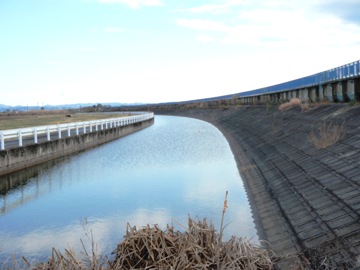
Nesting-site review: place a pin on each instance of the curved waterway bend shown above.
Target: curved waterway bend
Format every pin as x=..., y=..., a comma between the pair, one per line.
x=160, y=175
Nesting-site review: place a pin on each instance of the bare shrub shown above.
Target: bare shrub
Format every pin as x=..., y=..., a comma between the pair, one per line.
x=326, y=134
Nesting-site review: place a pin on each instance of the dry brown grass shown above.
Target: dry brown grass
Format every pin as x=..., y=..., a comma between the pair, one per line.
x=293, y=103
x=326, y=134
x=149, y=247
x=196, y=248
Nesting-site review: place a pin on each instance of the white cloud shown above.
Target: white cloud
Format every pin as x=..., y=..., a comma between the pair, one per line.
x=207, y=25
x=84, y=49
x=205, y=38
x=114, y=29
x=280, y=24
x=133, y=3
x=214, y=9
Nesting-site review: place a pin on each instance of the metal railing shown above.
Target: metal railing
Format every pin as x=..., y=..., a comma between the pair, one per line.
x=68, y=129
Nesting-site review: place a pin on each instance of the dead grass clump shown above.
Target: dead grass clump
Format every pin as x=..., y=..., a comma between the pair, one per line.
x=326, y=134
x=292, y=103
x=196, y=248
x=149, y=247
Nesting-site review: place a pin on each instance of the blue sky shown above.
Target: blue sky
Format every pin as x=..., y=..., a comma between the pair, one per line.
x=97, y=51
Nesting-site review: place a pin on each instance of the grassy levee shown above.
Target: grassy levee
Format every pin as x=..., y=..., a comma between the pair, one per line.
x=43, y=118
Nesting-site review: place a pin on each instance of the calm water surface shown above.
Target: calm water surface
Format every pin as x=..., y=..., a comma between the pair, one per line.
x=160, y=175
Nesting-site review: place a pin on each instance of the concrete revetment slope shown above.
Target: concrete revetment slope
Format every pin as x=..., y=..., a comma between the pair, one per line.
x=23, y=157
x=305, y=200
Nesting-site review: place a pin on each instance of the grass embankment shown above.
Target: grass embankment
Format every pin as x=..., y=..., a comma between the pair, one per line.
x=42, y=118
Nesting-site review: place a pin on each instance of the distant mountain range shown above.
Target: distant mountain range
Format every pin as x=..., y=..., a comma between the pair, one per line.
x=4, y=108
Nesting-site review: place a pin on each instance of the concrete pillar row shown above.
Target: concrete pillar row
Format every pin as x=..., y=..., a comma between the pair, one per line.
x=350, y=86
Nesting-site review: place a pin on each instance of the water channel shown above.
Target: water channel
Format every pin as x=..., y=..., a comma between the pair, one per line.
x=160, y=175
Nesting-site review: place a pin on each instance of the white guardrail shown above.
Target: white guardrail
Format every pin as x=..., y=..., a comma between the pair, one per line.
x=78, y=127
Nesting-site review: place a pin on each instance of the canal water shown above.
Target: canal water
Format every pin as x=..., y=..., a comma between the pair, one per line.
x=160, y=175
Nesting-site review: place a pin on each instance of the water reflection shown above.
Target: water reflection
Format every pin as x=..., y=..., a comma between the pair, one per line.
x=176, y=167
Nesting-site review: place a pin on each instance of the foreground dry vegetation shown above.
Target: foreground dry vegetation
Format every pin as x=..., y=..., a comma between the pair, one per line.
x=198, y=247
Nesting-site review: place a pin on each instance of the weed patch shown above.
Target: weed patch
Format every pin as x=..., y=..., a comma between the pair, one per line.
x=326, y=134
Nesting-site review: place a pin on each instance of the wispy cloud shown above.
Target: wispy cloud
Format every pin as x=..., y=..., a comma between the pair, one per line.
x=214, y=9
x=207, y=25
x=86, y=49
x=133, y=3
x=281, y=23
x=114, y=29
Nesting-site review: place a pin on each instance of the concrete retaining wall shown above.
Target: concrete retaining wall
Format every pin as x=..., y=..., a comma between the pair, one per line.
x=23, y=157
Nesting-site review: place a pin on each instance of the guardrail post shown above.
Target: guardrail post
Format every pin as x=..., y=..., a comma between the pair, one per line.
x=84, y=128
x=77, y=129
x=59, y=132
x=35, y=136
x=102, y=125
x=20, y=138
x=90, y=127
x=2, y=141
x=48, y=133
x=96, y=126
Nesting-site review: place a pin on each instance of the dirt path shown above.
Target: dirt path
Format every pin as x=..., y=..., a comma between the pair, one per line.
x=304, y=200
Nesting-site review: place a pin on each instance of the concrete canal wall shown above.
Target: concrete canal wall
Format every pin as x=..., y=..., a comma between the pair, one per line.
x=23, y=157
x=305, y=199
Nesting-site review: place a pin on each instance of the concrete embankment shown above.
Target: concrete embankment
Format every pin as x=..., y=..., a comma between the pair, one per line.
x=305, y=197
x=23, y=157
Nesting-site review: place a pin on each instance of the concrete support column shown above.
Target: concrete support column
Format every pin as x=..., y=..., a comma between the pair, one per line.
x=350, y=89
x=293, y=94
x=272, y=98
x=328, y=93
x=321, y=92
x=289, y=95
x=339, y=92
x=262, y=99
x=304, y=94
x=313, y=94
x=268, y=98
